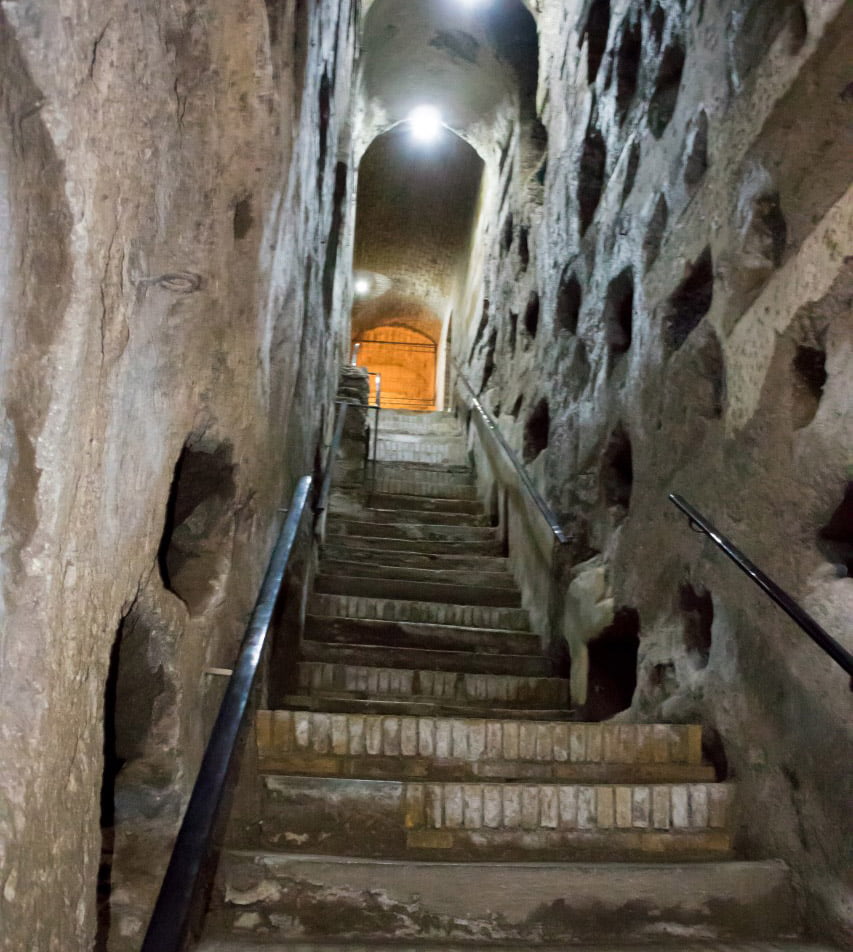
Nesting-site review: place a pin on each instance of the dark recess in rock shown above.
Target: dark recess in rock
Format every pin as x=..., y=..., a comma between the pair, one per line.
x=711, y=366
x=714, y=751
x=569, y=300
x=536, y=431
x=481, y=329
x=809, y=365
x=613, y=666
x=457, y=44
x=628, y=66
x=657, y=22
x=763, y=21
x=334, y=239
x=655, y=231
x=243, y=219
x=697, y=611
x=836, y=537
x=513, y=331
x=619, y=312
x=631, y=167
x=325, y=113
x=524, y=247
x=595, y=34
x=531, y=315
x=593, y=161
x=769, y=228
x=199, y=515
x=617, y=470
x=696, y=163
x=507, y=235
x=690, y=302
x=489, y=362
x=667, y=85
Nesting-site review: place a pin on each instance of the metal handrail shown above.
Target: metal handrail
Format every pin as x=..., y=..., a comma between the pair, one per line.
x=343, y=409
x=180, y=902
x=839, y=654
x=378, y=408
x=492, y=426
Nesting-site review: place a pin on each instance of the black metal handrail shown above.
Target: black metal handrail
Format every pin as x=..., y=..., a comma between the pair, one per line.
x=839, y=654
x=492, y=426
x=181, y=900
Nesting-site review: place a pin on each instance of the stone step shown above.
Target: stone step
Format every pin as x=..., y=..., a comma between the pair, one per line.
x=523, y=665
x=391, y=683
x=424, y=503
x=441, y=473
x=390, y=570
x=415, y=532
x=417, y=449
x=419, y=612
x=425, y=748
x=403, y=634
x=330, y=582
x=344, y=703
x=435, y=421
x=376, y=543
x=415, y=517
x=261, y=943
x=343, y=549
x=304, y=897
x=496, y=821
x=395, y=484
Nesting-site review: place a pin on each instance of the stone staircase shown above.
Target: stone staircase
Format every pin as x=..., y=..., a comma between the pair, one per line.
x=424, y=781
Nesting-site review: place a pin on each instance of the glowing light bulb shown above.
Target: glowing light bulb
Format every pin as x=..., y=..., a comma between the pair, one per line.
x=362, y=287
x=425, y=122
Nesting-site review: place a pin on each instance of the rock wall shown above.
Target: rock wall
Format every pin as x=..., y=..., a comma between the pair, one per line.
x=672, y=313
x=174, y=196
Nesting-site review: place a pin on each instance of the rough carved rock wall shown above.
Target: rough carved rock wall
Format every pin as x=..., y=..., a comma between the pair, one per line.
x=675, y=315
x=174, y=183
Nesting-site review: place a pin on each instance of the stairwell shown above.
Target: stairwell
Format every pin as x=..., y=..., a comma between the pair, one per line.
x=424, y=781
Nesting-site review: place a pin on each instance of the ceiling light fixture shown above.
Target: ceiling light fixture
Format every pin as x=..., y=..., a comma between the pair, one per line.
x=425, y=122
x=362, y=286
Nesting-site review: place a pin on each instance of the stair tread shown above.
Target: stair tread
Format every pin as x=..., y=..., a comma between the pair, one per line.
x=421, y=706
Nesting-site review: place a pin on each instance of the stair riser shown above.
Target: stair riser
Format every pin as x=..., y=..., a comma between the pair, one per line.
x=348, y=550
x=352, y=631
x=416, y=532
x=458, y=490
x=495, y=821
x=471, y=688
x=384, y=588
x=398, y=573
x=422, y=613
x=311, y=897
x=419, y=503
x=342, y=703
x=368, y=544
x=396, y=516
x=467, y=662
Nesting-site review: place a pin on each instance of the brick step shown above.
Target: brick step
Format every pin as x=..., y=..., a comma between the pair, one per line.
x=419, y=612
x=335, y=583
x=262, y=944
x=418, y=450
x=371, y=553
x=447, y=473
x=465, y=547
x=399, y=516
x=403, y=634
x=416, y=532
x=391, y=747
x=431, y=422
x=496, y=821
x=469, y=662
x=399, y=573
x=424, y=503
x=378, y=683
x=344, y=703
x=304, y=897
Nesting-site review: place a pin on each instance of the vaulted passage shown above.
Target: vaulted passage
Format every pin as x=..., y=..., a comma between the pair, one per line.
x=501, y=279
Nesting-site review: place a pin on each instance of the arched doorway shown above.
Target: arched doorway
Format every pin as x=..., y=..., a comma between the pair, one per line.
x=405, y=359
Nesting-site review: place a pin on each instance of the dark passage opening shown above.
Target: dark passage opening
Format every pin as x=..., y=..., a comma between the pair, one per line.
x=536, y=431
x=591, y=175
x=809, y=366
x=697, y=609
x=613, y=666
x=690, y=302
x=595, y=33
x=617, y=471
x=836, y=537
x=667, y=85
x=569, y=299
x=619, y=312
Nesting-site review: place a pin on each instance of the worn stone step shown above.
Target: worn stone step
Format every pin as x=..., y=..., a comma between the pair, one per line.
x=488, y=545
x=343, y=703
x=496, y=820
x=424, y=503
x=435, y=421
x=390, y=571
x=405, y=634
x=459, y=490
x=307, y=897
x=345, y=549
x=335, y=583
x=446, y=473
x=418, y=449
x=416, y=532
x=391, y=747
x=399, y=516
x=488, y=689
x=418, y=612
x=428, y=659
x=263, y=943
